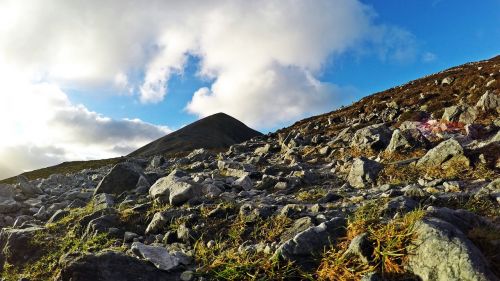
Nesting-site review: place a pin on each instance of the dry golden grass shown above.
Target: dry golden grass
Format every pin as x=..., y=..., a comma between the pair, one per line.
x=391, y=241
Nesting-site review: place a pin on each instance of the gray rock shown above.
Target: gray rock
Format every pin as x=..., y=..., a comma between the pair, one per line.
x=101, y=224
x=244, y=182
x=263, y=149
x=13, y=245
x=157, y=162
x=235, y=169
x=158, y=222
x=187, y=275
x=452, y=113
x=400, y=204
x=103, y=201
x=109, y=266
x=9, y=205
x=363, y=172
x=408, y=138
x=175, y=189
x=360, y=247
x=27, y=188
x=200, y=155
x=468, y=115
x=398, y=141
x=443, y=252
x=312, y=241
x=297, y=227
x=375, y=136
x=122, y=177
x=441, y=153
x=489, y=101
x=156, y=255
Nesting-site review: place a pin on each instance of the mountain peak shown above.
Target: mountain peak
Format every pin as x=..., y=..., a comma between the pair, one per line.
x=217, y=131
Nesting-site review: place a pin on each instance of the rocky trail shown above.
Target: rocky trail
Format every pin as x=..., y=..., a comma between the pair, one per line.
x=402, y=185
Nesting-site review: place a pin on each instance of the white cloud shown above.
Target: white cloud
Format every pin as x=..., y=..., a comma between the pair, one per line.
x=91, y=43
x=263, y=57
x=42, y=127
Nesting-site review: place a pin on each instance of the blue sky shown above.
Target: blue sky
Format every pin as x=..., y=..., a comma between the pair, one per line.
x=90, y=79
x=452, y=32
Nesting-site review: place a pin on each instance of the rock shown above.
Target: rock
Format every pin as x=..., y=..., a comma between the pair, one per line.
x=468, y=115
x=398, y=141
x=9, y=205
x=244, y=182
x=298, y=226
x=101, y=225
x=129, y=237
x=443, y=252
x=447, y=81
x=200, y=155
x=158, y=222
x=109, y=266
x=489, y=101
x=490, y=83
x=156, y=255
x=363, y=172
x=360, y=247
x=442, y=153
x=13, y=245
x=157, y=162
x=330, y=197
x=235, y=169
x=490, y=190
x=400, y=204
x=174, y=189
x=122, y=177
x=461, y=113
x=27, y=188
x=263, y=149
x=312, y=241
x=375, y=137
x=103, y=201
x=452, y=113
x=187, y=275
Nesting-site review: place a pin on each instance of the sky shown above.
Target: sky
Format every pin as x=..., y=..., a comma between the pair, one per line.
x=88, y=79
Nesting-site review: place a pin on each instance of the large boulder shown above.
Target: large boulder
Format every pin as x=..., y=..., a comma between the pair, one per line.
x=27, y=188
x=375, y=137
x=363, y=172
x=122, y=177
x=110, y=266
x=175, y=189
x=462, y=113
x=235, y=169
x=489, y=101
x=156, y=255
x=15, y=246
x=441, y=153
x=312, y=241
x=443, y=252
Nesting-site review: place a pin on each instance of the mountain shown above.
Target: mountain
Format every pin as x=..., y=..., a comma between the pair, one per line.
x=401, y=185
x=218, y=131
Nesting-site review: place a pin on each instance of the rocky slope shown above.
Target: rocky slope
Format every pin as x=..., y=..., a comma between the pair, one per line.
x=402, y=185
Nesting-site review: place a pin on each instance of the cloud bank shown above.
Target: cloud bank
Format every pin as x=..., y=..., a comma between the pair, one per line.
x=41, y=127
x=263, y=59
x=261, y=55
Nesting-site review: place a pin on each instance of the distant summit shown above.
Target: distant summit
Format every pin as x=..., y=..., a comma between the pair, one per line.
x=216, y=131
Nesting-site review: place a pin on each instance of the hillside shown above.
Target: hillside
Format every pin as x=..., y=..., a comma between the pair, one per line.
x=218, y=131
x=401, y=185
